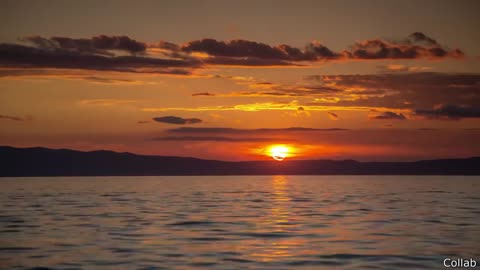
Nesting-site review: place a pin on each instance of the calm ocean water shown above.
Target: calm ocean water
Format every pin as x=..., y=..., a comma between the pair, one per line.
x=238, y=222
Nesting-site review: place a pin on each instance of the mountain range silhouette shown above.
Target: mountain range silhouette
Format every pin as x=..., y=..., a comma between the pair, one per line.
x=63, y=162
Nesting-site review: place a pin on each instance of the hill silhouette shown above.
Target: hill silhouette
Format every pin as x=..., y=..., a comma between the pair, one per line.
x=63, y=162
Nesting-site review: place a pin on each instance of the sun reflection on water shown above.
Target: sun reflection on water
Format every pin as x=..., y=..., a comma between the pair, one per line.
x=279, y=224
x=280, y=212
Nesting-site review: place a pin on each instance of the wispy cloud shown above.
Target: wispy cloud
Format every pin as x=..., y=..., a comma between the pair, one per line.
x=252, y=107
x=216, y=139
x=15, y=118
x=107, y=102
x=102, y=44
x=91, y=76
x=203, y=94
x=226, y=130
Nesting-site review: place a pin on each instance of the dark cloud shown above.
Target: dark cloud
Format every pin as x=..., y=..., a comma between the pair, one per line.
x=143, y=122
x=19, y=56
x=417, y=45
x=98, y=45
x=317, y=51
x=252, y=53
x=332, y=115
x=101, y=53
x=404, y=90
x=167, y=46
x=246, y=52
x=388, y=116
x=247, y=61
x=203, y=94
x=208, y=130
x=177, y=120
x=245, y=48
x=452, y=112
x=214, y=138
x=14, y=118
x=106, y=80
x=421, y=37
x=234, y=48
x=122, y=53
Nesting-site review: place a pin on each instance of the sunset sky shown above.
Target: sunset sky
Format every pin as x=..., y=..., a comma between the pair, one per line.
x=364, y=80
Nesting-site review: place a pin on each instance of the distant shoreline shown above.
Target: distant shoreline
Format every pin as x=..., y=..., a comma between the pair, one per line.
x=38, y=162
x=233, y=175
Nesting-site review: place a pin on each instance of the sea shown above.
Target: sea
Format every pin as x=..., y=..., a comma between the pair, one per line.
x=239, y=222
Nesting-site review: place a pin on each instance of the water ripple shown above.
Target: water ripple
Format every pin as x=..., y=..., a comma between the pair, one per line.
x=254, y=222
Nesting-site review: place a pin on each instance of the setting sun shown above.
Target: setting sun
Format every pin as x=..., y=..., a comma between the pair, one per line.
x=279, y=152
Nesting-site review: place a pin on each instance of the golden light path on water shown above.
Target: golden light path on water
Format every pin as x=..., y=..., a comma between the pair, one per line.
x=280, y=221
